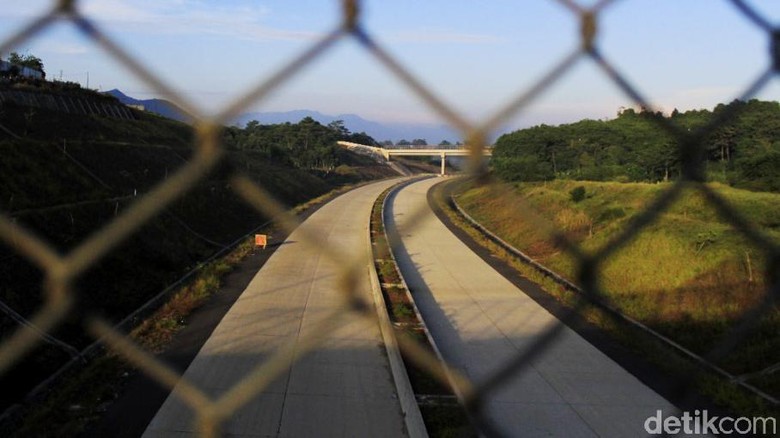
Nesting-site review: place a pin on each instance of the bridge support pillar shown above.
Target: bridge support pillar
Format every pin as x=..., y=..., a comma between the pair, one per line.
x=443, y=163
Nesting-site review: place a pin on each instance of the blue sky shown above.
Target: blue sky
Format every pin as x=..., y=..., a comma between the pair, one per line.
x=476, y=55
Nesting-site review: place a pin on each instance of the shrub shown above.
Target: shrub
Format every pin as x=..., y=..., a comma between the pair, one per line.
x=525, y=168
x=577, y=193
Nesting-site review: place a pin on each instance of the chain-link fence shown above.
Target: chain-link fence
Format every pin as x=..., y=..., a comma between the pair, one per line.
x=60, y=272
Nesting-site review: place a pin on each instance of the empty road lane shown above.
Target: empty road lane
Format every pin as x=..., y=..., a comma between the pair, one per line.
x=480, y=321
x=341, y=388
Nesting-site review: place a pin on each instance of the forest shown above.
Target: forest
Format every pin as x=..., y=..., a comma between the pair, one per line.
x=743, y=151
x=307, y=144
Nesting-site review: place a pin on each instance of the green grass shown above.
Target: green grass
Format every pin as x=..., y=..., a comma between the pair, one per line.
x=689, y=274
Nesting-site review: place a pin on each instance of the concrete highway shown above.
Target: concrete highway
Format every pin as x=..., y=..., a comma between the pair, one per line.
x=480, y=320
x=342, y=388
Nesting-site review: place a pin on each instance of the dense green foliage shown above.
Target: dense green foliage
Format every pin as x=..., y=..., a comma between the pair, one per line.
x=743, y=152
x=305, y=145
x=27, y=60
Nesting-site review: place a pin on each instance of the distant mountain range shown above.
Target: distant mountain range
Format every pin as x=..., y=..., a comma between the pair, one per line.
x=157, y=106
x=379, y=131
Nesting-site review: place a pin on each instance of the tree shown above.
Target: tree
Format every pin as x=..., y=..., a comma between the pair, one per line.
x=523, y=168
x=30, y=61
x=306, y=144
x=361, y=138
x=759, y=172
x=339, y=128
x=419, y=142
x=403, y=142
x=445, y=143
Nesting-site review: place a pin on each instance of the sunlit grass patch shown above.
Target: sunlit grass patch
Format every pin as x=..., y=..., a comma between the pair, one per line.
x=689, y=274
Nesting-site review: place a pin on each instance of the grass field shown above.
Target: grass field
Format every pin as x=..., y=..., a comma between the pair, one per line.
x=689, y=275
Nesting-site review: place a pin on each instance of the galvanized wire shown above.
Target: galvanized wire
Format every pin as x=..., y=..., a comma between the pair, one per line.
x=61, y=270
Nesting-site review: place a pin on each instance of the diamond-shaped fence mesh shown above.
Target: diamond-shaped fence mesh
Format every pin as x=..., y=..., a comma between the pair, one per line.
x=61, y=271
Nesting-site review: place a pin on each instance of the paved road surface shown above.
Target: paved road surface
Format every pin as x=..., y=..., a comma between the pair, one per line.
x=343, y=388
x=480, y=320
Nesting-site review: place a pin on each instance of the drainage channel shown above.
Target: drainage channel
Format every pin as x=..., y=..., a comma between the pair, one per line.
x=441, y=410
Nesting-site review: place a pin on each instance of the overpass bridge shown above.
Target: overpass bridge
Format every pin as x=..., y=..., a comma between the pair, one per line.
x=443, y=153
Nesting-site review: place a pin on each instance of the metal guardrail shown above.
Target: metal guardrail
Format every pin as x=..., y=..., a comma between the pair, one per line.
x=610, y=308
x=61, y=271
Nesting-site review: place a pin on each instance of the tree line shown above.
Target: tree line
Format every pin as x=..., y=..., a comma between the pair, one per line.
x=307, y=144
x=743, y=152
x=416, y=142
x=27, y=60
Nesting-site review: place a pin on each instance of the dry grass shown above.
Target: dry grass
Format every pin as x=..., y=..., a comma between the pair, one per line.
x=690, y=275
x=157, y=331
x=440, y=420
x=86, y=392
x=688, y=254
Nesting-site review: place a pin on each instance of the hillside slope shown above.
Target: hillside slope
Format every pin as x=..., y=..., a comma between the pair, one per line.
x=690, y=275
x=65, y=176
x=160, y=107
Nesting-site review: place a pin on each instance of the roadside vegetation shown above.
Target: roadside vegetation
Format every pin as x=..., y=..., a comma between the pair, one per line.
x=689, y=275
x=307, y=144
x=85, y=392
x=64, y=176
x=743, y=152
x=441, y=412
